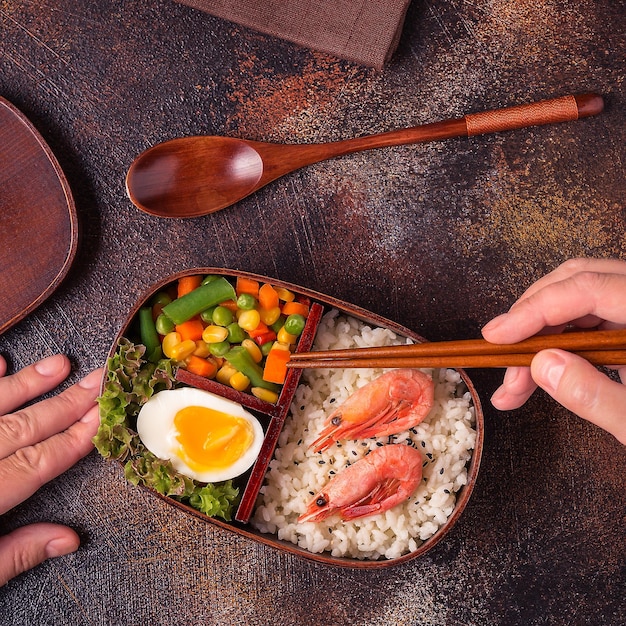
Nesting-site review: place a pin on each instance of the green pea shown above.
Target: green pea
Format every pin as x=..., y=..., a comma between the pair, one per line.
x=266, y=347
x=164, y=324
x=236, y=334
x=294, y=324
x=222, y=316
x=161, y=298
x=219, y=348
x=209, y=279
x=246, y=301
x=207, y=315
x=278, y=324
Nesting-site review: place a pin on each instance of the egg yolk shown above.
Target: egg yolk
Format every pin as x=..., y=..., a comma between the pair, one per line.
x=211, y=439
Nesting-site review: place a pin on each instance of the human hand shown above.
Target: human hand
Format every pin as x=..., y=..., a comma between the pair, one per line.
x=37, y=443
x=586, y=293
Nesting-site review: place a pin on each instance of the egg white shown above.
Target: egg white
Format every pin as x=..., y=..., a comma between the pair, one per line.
x=155, y=426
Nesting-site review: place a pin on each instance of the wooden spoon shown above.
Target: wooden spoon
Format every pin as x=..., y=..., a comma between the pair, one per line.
x=193, y=176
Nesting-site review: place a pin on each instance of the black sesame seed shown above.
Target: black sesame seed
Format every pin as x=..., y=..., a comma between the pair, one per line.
x=446, y=491
x=423, y=444
x=429, y=455
x=425, y=463
x=322, y=462
x=332, y=472
x=441, y=471
x=354, y=452
x=312, y=493
x=380, y=443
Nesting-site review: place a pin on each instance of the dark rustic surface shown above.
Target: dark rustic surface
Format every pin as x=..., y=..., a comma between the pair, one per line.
x=439, y=237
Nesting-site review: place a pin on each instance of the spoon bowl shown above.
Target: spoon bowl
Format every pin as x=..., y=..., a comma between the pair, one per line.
x=194, y=176
x=208, y=171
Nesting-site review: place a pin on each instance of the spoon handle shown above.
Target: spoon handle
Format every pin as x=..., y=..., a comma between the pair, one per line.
x=563, y=109
x=552, y=111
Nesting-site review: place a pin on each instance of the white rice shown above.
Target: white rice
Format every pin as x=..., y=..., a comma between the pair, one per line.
x=446, y=439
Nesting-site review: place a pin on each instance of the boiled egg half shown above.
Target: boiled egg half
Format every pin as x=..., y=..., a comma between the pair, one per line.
x=205, y=436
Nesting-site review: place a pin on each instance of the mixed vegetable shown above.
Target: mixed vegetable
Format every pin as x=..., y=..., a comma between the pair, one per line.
x=239, y=332
x=241, y=335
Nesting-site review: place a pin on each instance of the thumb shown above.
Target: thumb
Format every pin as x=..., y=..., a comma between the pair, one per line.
x=30, y=545
x=583, y=389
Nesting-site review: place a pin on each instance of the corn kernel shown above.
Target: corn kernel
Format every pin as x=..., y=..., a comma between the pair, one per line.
x=183, y=349
x=214, y=334
x=281, y=345
x=285, y=295
x=239, y=381
x=224, y=373
x=269, y=316
x=169, y=341
x=202, y=349
x=284, y=337
x=249, y=320
x=253, y=349
x=265, y=394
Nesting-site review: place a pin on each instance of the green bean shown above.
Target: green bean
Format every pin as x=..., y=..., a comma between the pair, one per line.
x=266, y=347
x=243, y=362
x=201, y=298
x=148, y=334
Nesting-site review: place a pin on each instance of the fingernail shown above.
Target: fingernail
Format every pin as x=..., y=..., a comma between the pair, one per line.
x=50, y=366
x=91, y=381
x=60, y=546
x=494, y=323
x=498, y=395
x=550, y=371
x=91, y=416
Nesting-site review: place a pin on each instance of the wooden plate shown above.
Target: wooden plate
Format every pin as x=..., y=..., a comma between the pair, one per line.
x=38, y=225
x=252, y=481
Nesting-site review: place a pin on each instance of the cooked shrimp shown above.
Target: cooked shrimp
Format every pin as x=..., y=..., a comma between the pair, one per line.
x=374, y=484
x=391, y=403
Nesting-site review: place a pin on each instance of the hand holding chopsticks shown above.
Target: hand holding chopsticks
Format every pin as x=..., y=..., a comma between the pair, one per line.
x=601, y=347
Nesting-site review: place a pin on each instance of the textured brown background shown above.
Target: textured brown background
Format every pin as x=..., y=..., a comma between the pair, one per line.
x=439, y=237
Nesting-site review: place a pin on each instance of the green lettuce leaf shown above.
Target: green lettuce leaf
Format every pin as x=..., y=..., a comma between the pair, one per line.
x=131, y=381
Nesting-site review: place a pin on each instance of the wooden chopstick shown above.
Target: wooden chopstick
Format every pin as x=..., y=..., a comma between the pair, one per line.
x=601, y=347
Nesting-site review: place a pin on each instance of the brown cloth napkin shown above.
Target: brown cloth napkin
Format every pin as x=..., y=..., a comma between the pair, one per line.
x=365, y=31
